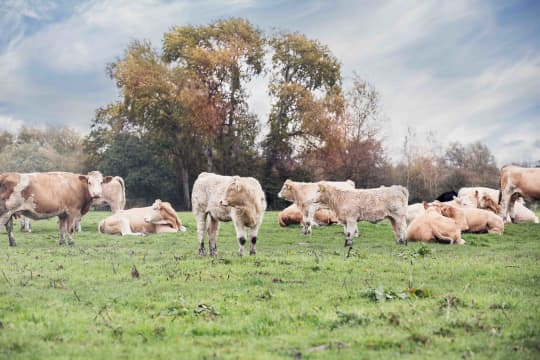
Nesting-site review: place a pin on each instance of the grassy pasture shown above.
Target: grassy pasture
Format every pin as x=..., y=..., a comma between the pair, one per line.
x=299, y=297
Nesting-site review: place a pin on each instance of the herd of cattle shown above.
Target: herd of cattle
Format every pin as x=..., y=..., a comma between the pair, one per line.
x=217, y=198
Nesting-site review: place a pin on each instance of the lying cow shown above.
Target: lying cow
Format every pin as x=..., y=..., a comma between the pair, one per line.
x=471, y=196
x=302, y=194
x=517, y=181
x=156, y=219
x=522, y=213
x=373, y=205
x=433, y=226
x=45, y=195
x=414, y=210
x=292, y=216
x=472, y=219
x=218, y=198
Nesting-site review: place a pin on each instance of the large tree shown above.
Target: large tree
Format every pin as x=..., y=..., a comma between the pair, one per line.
x=305, y=125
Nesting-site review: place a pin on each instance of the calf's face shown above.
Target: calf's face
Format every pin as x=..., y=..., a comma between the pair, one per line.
x=233, y=195
x=287, y=191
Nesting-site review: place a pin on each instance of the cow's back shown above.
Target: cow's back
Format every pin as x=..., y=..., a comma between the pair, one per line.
x=55, y=193
x=208, y=190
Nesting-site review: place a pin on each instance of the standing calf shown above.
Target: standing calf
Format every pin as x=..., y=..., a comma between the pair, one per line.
x=218, y=198
x=371, y=205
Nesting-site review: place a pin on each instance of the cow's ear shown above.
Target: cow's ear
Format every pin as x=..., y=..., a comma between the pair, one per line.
x=287, y=186
x=83, y=178
x=107, y=179
x=425, y=204
x=321, y=188
x=476, y=194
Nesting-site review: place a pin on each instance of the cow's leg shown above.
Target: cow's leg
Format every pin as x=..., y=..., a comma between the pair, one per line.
x=213, y=229
x=511, y=207
x=26, y=224
x=308, y=219
x=62, y=225
x=9, y=230
x=201, y=229
x=240, y=235
x=350, y=227
x=78, y=227
x=253, y=236
x=125, y=228
x=70, y=221
x=505, y=203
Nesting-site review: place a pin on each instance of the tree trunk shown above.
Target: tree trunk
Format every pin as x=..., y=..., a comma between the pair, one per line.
x=209, y=159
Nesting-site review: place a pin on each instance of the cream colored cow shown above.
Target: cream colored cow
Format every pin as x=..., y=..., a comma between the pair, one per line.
x=218, y=198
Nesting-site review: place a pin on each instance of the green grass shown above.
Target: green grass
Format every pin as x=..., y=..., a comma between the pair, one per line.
x=299, y=297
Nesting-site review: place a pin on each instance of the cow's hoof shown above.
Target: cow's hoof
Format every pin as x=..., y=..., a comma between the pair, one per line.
x=202, y=252
x=12, y=243
x=348, y=242
x=252, y=252
x=213, y=252
x=241, y=252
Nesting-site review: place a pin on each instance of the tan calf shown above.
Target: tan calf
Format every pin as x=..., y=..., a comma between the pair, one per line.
x=433, y=226
x=373, y=205
x=471, y=219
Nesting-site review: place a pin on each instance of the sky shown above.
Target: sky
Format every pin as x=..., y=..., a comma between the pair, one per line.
x=456, y=70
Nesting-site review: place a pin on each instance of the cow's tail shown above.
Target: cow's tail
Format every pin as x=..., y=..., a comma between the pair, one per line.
x=123, y=203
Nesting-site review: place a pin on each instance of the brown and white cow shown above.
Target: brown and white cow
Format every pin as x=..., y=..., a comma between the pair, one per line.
x=113, y=194
x=302, y=194
x=433, y=226
x=292, y=216
x=517, y=181
x=373, y=205
x=156, y=219
x=218, y=198
x=45, y=195
x=472, y=219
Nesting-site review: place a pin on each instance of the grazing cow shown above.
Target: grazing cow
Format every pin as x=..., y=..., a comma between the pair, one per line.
x=218, y=198
x=156, y=219
x=113, y=194
x=447, y=196
x=302, y=194
x=414, y=210
x=373, y=205
x=472, y=219
x=292, y=215
x=517, y=181
x=433, y=226
x=44, y=195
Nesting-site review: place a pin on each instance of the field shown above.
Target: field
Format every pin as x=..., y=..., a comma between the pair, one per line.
x=300, y=297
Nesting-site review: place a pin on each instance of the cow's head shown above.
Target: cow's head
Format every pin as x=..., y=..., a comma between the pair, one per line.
x=486, y=202
x=162, y=213
x=454, y=213
x=234, y=194
x=287, y=191
x=321, y=195
x=94, y=179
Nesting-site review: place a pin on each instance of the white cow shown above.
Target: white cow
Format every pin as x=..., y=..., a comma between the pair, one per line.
x=218, y=198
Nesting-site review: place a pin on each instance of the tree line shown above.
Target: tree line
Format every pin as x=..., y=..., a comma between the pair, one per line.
x=183, y=109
